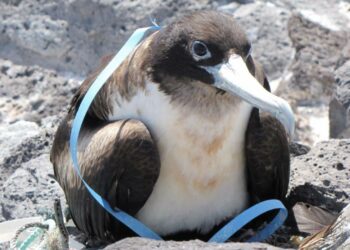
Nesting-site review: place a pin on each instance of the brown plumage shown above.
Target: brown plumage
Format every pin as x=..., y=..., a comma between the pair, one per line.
x=120, y=162
x=268, y=169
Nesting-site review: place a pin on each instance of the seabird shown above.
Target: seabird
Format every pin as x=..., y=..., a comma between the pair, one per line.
x=184, y=135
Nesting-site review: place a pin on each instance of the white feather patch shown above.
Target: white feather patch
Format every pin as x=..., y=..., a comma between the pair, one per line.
x=202, y=176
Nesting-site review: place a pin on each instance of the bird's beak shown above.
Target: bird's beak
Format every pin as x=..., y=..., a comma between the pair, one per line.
x=235, y=78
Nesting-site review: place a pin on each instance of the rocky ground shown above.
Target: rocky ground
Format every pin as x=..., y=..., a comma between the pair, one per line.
x=48, y=47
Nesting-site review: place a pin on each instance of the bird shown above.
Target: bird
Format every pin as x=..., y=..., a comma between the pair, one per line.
x=183, y=136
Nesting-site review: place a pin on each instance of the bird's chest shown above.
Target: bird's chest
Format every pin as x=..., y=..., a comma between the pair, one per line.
x=197, y=156
x=202, y=178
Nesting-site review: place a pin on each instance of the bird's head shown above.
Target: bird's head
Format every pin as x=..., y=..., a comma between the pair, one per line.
x=204, y=57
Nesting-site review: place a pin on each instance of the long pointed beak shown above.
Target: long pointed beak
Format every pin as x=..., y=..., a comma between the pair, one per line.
x=235, y=78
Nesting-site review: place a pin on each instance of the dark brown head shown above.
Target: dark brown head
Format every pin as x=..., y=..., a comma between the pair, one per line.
x=205, y=38
x=206, y=51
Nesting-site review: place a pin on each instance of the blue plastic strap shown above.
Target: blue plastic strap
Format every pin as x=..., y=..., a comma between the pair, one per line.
x=248, y=215
x=128, y=47
x=139, y=228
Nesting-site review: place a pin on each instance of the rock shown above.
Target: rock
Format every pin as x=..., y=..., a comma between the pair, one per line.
x=145, y=244
x=345, y=53
x=20, y=142
x=332, y=14
x=318, y=49
x=30, y=190
x=266, y=27
x=339, y=107
x=336, y=236
x=312, y=123
x=321, y=177
x=32, y=93
x=297, y=149
x=71, y=36
x=308, y=83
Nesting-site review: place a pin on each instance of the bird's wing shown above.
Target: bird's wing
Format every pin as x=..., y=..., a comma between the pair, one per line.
x=267, y=153
x=118, y=159
x=123, y=84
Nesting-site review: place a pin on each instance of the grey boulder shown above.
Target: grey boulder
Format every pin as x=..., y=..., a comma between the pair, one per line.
x=339, y=107
x=321, y=177
x=30, y=190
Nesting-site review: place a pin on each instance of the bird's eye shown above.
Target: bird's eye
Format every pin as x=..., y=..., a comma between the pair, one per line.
x=200, y=51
